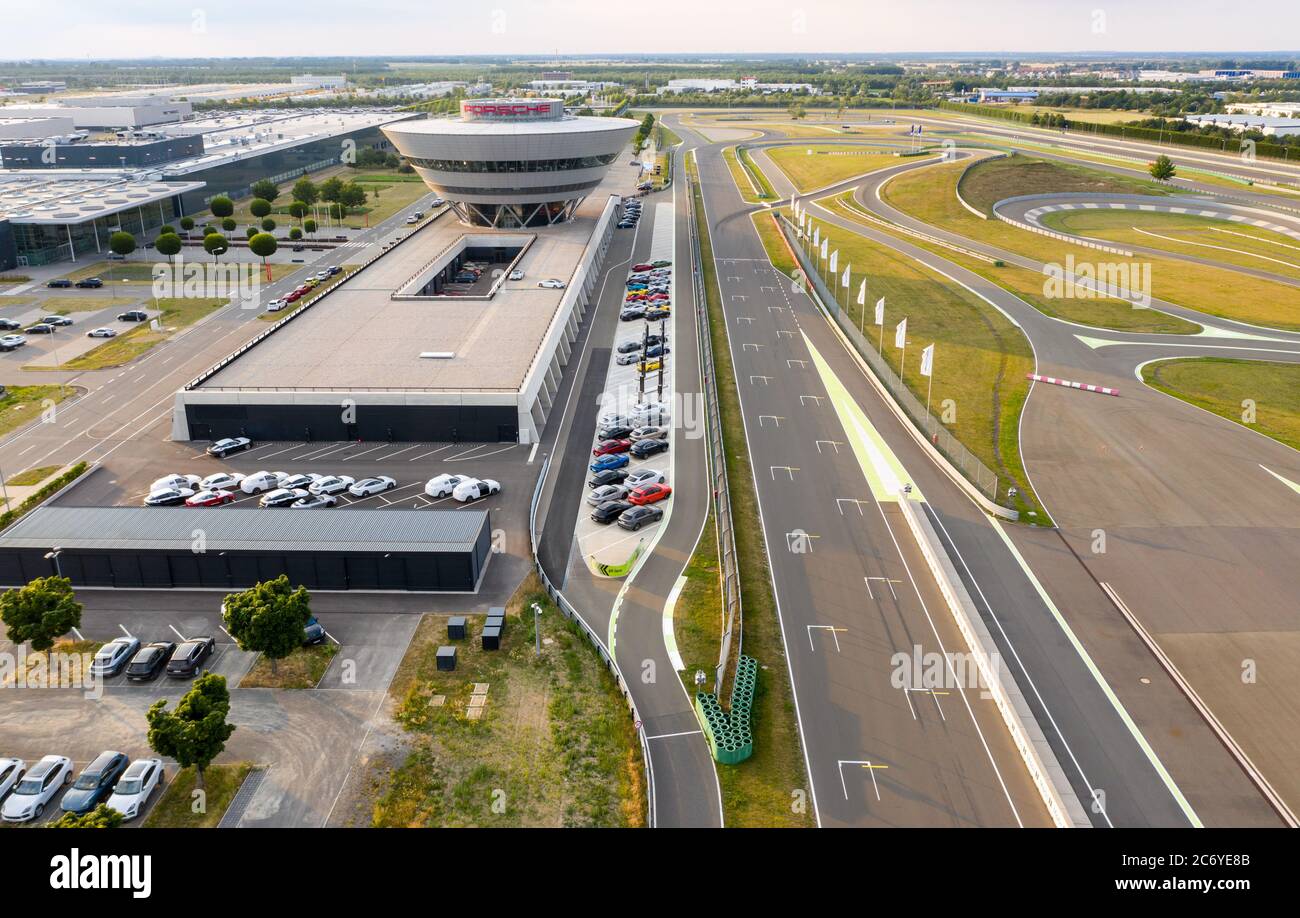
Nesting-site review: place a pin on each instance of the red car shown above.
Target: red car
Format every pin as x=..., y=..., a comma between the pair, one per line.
x=609, y=447
x=210, y=499
x=292, y=296
x=637, y=269
x=649, y=494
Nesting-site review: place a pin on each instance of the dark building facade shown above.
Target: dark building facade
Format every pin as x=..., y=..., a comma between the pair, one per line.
x=135, y=154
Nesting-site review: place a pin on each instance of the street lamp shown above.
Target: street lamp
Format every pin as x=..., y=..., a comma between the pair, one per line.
x=537, y=627
x=53, y=555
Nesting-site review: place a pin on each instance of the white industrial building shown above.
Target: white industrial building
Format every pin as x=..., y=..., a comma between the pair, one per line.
x=1273, y=127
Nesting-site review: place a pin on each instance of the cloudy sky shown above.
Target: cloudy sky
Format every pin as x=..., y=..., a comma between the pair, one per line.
x=237, y=28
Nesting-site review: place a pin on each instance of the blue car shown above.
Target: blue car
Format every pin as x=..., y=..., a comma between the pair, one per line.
x=637, y=286
x=612, y=461
x=94, y=784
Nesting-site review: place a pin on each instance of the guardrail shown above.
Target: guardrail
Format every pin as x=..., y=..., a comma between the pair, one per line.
x=960, y=459
x=567, y=609
x=917, y=234
x=728, y=569
x=1062, y=237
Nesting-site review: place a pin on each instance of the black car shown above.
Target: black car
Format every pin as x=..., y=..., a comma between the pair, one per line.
x=168, y=497
x=59, y=282
x=41, y=328
x=636, y=517
x=223, y=448
x=149, y=661
x=628, y=347
x=133, y=315
x=10, y=324
x=631, y=314
x=644, y=448
x=95, y=783
x=614, y=433
x=187, y=659
x=654, y=315
x=610, y=510
x=626, y=224
x=90, y=283
x=607, y=476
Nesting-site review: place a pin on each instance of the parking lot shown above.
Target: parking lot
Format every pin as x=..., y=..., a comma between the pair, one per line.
x=68, y=341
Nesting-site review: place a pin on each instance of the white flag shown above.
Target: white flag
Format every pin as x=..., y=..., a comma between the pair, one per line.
x=801, y=216
x=844, y=281
x=824, y=241
x=795, y=204
x=900, y=333
x=927, y=361
x=835, y=260
x=880, y=311
x=862, y=293
x=817, y=235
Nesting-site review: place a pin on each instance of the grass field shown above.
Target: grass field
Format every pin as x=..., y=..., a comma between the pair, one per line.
x=756, y=792
x=744, y=162
x=302, y=669
x=930, y=195
x=32, y=476
x=1091, y=115
x=1119, y=315
x=554, y=745
x=745, y=184
x=697, y=617
x=142, y=272
x=62, y=305
x=1188, y=234
x=1221, y=386
x=176, y=314
x=21, y=404
x=986, y=183
x=828, y=163
x=175, y=808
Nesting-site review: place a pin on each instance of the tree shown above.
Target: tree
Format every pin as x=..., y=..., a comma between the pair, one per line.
x=309, y=226
x=228, y=224
x=796, y=111
x=1163, y=169
x=268, y=618
x=331, y=188
x=221, y=206
x=259, y=207
x=194, y=733
x=215, y=245
x=168, y=244
x=338, y=211
x=268, y=224
x=262, y=245
x=209, y=229
x=250, y=232
x=297, y=210
x=101, y=817
x=352, y=196
x=40, y=612
x=265, y=189
x=305, y=191
x=165, y=229
x=295, y=233
x=121, y=243
x=187, y=223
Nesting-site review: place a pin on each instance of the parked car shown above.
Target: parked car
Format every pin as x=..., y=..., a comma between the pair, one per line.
x=149, y=661
x=189, y=656
x=631, y=313
x=101, y=333
x=643, y=449
x=176, y=481
x=657, y=313
x=643, y=266
x=605, y=493
x=313, y=632
x=168, y=497
x=40, y=328
x=282, y=497
x=223, y=448
x=609, y=447
x=624, y=360
x=9, y=324
x=221, y=481
x=657, y=350
x=606, y=477
x=613, y=461
x=298, y=482
x=37, y=788
x=331, y=484
x=90, y=283
x=625, y=224
x=631, y=346
x=443, y=485
x=210, y=499
x=95, y=783
x=11, y=772
x=137, y=784
x=646, y=477
x=609, y=510
x=650, y=494
x=650, y=431
x=59, y=283
x=314, y=502
x=57, y=321
x=368, y=486
x=614, y=432
x=474, y=489
x=277, y=304
x=133, y=315
x=9, y=342
x=112, y=658
x=515, y=275
x=258, y=482
x=552, y=283
x=635, y=517
x=649, y=366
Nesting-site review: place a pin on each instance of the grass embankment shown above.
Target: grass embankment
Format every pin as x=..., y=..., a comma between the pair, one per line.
x=176, y=314
x=141, y=272
x=698, y=615
x=1232, y=244
x=554, y=745
x=750, y=180
x=62, y=305
x=980, y=363
x=1030, y=286
x=32, y=476
x=828, y=164
x=302, y=669
x=930, y=195
x=175, y=808
x=21, y=404
x=1222, y=386
x=758, y=791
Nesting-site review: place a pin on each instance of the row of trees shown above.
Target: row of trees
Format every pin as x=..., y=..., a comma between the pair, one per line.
x=267, y=618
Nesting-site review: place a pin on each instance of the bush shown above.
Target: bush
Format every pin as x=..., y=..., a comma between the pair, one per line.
x=268, y=224
x=9, y=517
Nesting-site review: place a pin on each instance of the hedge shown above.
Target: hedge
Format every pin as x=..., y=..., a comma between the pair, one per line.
x=9, y=517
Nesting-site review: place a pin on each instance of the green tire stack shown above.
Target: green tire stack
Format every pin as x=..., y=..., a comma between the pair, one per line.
x=730, y=738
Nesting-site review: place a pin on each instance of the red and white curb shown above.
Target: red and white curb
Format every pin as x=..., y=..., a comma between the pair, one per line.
x=1104, y=390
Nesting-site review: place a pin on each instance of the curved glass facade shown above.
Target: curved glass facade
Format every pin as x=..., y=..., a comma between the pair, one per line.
x=509, y=192
x=515, y=165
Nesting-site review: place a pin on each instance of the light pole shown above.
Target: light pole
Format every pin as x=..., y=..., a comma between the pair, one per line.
x=53, y=555
x=537, y=627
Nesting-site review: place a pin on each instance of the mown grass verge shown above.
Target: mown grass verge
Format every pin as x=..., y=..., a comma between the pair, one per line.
x=175, y=809
x=1233, y=389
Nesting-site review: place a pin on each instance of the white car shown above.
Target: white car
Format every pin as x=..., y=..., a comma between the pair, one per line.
x=258, y=482
x=606, y=492
x=176, y=481
x=36, y=789
x=303, y=481
x=11, y=770
x=612, y=419
x=516, y=275
x=443, y=485
x=475, y=488
x=221, y=481
x=625, y=359
x=113, y=656
x=650, y=432
x=552, y=283
x=282, y=497
x=645, y=477
x=9, y=342
x=135, y=787
x=367, y=486
x=276, y=305
x=331, y=484
x=101, y=333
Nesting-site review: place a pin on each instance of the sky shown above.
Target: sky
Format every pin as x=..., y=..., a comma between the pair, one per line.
x=254, y=28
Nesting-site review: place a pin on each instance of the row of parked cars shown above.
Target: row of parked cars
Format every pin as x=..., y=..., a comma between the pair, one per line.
x=649, y=292
x=50, y=324
x=304, y=490
x=111, y=778
x=631, y=214
x=303, y=289
x=620, y=494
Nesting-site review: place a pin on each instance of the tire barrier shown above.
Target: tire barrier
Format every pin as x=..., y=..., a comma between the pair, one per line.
x=730, y=734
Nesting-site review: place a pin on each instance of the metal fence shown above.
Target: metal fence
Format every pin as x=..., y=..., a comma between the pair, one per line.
x=962, y=458
x=728, y=568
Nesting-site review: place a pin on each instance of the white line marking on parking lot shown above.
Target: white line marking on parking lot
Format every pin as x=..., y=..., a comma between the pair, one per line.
x=124, y=631
x=359, y=455
x=431, y=452
x=532, y=453
x=177, y=633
